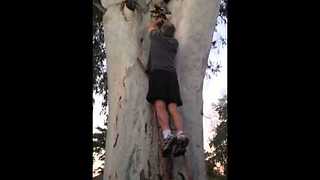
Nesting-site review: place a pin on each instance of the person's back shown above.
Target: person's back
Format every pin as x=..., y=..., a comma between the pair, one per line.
x=163, y=51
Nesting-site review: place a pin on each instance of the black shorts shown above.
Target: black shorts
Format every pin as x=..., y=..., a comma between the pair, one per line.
x=163, y=85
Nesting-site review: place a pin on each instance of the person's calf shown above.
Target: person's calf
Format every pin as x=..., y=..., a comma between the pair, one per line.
x=176, y=116
x=161, y=114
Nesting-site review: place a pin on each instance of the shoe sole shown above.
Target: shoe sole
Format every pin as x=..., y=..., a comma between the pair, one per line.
x=168, y=150
x=180, y=149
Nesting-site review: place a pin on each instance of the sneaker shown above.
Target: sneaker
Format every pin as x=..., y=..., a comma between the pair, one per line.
x=182, y=143
x=168, y=144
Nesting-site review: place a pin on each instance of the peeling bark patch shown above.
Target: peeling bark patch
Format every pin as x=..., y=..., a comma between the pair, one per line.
x=142, y=177
x=182, y=176
x=115, y=142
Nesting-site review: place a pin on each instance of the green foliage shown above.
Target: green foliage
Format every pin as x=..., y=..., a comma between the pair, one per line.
x=99, y=141
x=210, y=164
x=99, y=144
x=99, y=77
x=99, y=52
x=219, y=142
x=223, y=11
x=214, y=67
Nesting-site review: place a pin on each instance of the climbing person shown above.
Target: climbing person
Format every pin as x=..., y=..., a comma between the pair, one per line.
x=163, y=92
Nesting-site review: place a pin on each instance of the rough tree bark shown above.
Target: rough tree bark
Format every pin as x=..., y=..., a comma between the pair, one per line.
x=133, y=138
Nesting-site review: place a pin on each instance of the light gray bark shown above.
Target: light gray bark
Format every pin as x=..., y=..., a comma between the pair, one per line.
x=132, y=140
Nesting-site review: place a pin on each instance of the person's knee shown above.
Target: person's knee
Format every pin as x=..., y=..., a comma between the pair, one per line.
x=160, y=106
x=172, y=108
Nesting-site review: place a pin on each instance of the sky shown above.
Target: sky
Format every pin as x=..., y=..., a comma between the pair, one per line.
x=213, y=89
x=216, y=87
x=98, y=118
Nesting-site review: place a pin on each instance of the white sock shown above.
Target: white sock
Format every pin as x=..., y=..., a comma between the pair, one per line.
x=166, y=133
x=179, y=133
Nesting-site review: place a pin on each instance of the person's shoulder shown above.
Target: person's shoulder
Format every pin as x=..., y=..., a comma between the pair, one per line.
x=154, y=33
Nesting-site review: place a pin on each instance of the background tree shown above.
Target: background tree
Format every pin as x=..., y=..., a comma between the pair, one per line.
x=219, y=155
x=99, y=80
x=99, y=144
x=219, y=42
x=219, y=142
x=217, y=160
x=100, y=84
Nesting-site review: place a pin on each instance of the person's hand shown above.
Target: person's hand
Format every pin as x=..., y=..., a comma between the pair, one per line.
x=154, y=24
x=158, y=20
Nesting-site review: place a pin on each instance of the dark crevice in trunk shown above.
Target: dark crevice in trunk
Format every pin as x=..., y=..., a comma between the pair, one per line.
x=115, y=142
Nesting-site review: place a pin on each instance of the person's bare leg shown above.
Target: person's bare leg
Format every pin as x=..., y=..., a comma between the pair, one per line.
x=182, y=139
x=176, y=116
x=161, y=113
x=168, y=139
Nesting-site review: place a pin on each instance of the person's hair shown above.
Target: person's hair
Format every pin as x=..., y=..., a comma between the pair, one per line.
x=168, y=29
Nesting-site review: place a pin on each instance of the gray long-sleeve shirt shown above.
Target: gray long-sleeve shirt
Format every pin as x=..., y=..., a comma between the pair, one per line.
x=163, y=51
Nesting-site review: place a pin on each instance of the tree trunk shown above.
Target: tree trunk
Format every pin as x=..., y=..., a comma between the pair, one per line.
x=133, y=151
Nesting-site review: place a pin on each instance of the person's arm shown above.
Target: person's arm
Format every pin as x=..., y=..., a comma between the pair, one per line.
x=145, y=70
x=153, y=25
x=148, y=70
